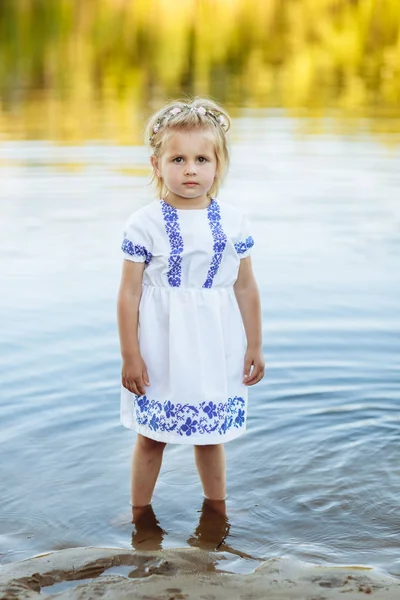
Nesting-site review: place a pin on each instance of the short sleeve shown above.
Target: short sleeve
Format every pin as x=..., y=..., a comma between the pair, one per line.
x=245, y=240
x=136, y=245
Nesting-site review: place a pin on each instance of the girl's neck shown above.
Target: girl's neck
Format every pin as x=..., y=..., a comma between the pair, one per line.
x=187, y=204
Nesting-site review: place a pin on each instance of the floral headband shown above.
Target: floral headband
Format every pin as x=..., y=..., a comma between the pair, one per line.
x=200, y=110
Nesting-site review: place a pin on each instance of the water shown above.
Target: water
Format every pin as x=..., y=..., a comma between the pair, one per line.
x=317, y=476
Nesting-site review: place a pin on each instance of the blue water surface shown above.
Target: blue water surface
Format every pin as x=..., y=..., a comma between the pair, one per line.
x=317, y=475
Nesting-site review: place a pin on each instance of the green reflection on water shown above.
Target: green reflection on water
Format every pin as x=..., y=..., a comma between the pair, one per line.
x=73, y=70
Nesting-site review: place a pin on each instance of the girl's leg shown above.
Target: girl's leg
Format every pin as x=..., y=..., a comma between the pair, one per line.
x=146, y=464
x=210, y=462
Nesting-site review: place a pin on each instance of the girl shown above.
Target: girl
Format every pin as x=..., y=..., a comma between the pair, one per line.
x=188, y=307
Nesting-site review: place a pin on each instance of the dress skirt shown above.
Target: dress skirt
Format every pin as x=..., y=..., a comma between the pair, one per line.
x=193, y=346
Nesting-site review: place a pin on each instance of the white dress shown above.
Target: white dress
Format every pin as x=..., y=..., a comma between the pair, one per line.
x=191, y=334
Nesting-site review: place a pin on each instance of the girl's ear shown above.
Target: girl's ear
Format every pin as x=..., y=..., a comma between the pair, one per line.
x=154, y=164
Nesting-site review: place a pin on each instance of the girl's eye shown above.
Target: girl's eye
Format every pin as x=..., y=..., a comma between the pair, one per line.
x=179, y=160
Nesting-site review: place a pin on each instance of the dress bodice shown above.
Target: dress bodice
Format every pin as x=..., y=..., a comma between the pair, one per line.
x=185, y=248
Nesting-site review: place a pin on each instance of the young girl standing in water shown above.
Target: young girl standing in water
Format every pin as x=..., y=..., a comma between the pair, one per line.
x=188, y=307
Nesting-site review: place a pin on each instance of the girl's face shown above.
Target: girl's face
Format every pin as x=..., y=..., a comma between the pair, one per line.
x=188, y=166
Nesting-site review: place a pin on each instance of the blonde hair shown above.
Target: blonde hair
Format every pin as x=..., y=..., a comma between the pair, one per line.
x=200, y=114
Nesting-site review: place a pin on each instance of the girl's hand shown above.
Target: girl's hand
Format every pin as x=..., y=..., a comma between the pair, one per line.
x=134, y=375
x=253, y=358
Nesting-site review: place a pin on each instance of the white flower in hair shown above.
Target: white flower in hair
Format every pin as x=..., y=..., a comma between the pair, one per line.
x=156, y=128
x=221, y=120
x=201, y=110
x=175, y=111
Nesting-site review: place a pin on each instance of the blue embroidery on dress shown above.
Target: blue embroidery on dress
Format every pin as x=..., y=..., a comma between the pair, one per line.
x=172, y=228
x=185, y=419
x=242, y=247
x=136, y=250
x=219, y=237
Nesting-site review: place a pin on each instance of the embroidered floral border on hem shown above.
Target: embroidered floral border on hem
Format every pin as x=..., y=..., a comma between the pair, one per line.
x=192, y=440
x=184, y=420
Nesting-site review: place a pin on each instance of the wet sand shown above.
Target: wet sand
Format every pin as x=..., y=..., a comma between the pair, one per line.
x=86, y=573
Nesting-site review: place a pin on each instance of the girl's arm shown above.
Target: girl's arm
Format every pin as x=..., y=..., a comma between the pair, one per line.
x=248, y=299
x=134, y=373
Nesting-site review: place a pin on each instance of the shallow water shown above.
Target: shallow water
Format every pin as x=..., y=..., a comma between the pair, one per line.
x=317, y=475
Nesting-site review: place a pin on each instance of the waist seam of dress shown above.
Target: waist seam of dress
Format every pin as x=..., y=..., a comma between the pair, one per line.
x=182, y=288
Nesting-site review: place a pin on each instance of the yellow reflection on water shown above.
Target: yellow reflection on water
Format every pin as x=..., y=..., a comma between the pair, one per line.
x=74, y=71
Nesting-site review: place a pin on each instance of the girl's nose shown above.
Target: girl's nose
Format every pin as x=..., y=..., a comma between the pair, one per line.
x=190, y=169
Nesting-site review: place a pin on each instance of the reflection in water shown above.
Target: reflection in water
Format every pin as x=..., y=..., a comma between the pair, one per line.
x=210, y=533
x=213, y=527
x=148, y=534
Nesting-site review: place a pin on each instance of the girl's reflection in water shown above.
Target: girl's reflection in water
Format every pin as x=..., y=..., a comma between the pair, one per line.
x=213, y=527
x=148, y=534
x=210, y=534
